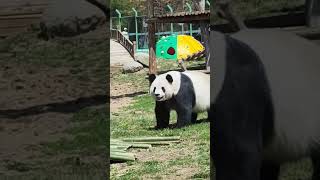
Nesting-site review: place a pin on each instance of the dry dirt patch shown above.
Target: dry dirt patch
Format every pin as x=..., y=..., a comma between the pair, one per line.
x=121, y=94
x=118, y=98
x=36, y=105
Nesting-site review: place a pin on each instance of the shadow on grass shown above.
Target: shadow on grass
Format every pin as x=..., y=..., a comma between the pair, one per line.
x=129, y=95
x=174, y=125
x=61, y=107
x=192, y=68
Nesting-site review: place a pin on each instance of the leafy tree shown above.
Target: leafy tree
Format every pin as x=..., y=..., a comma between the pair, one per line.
x=124, y=6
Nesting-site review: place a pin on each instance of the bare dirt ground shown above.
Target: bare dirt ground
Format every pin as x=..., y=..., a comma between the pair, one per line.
x=119, y=91
x=118, y=99
x=36, y=104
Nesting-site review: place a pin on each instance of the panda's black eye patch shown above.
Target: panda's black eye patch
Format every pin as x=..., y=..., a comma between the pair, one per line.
x=154, y=89
x=163, y=89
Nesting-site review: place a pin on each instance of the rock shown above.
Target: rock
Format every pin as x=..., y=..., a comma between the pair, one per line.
x=142, y=57
x=60, y=20
x=132, y=67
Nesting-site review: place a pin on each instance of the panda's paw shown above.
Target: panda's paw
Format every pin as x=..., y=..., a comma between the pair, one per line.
x=159, y=127
x=181, y=125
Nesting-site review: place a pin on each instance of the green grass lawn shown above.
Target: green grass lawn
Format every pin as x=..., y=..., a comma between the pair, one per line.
x=187, y=159
x=138, y=120
x=80, y=155
x=88, y=131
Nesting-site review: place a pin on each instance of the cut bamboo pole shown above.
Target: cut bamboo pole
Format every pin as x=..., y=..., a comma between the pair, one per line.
x=118, y=147
x=159, y=142
x=145, y=146
x=119, y=156
x=152, y=139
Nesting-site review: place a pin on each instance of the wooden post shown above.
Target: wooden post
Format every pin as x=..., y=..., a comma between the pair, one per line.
x=134, y=49
x=151, y=36
x=312, y=13
x=118, y=38
x=205, y=35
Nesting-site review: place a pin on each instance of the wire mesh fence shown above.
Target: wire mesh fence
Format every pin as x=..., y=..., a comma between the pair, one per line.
x=137, y=29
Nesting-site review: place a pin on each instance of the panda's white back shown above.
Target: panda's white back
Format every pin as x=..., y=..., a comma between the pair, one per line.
x=201, y=85
x=294, y=81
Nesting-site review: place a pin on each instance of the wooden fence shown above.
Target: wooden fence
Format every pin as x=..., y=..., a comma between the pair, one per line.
x=124, y=41
x=18, y=15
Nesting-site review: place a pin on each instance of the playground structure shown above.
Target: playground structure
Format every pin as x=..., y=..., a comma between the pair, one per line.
x=177, y=47
x=155, y=16
x=138, y=40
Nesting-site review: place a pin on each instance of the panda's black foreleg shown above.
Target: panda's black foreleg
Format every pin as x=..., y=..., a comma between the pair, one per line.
x=269, y=171
x=194, y=117
x=316, y=166
x=162, y=115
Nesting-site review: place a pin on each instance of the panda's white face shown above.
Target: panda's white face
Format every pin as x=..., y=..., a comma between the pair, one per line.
x=163, y=87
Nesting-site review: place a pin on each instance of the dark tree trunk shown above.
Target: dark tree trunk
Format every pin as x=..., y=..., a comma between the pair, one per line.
x=151, y=36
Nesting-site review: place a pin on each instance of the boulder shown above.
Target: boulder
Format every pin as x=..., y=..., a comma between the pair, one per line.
x=142, y=57
x=70, y=18
x=132, y=67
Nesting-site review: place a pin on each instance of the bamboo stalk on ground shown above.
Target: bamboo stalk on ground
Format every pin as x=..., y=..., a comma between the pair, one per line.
x=122, y=156
x=148, y=139
x=118, y=147
x=159, y=142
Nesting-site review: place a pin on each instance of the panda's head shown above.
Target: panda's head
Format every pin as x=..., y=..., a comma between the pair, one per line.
x=163, y=87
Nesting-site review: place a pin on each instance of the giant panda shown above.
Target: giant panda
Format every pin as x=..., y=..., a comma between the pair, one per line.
x=185, y=92
x=265, y=103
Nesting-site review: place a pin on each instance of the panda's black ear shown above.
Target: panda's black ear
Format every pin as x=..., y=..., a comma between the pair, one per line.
x=169, y=78
x=152, y=77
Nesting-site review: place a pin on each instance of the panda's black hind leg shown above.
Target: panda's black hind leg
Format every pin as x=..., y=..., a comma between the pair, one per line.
x=316, y=166
x=194, y=117
x=184, y=107
x=185, y=114
x=269, y=171
x=184, y=118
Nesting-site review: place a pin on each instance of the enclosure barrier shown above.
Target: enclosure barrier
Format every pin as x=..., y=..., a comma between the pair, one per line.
x=124, y=41
x=113, y=34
